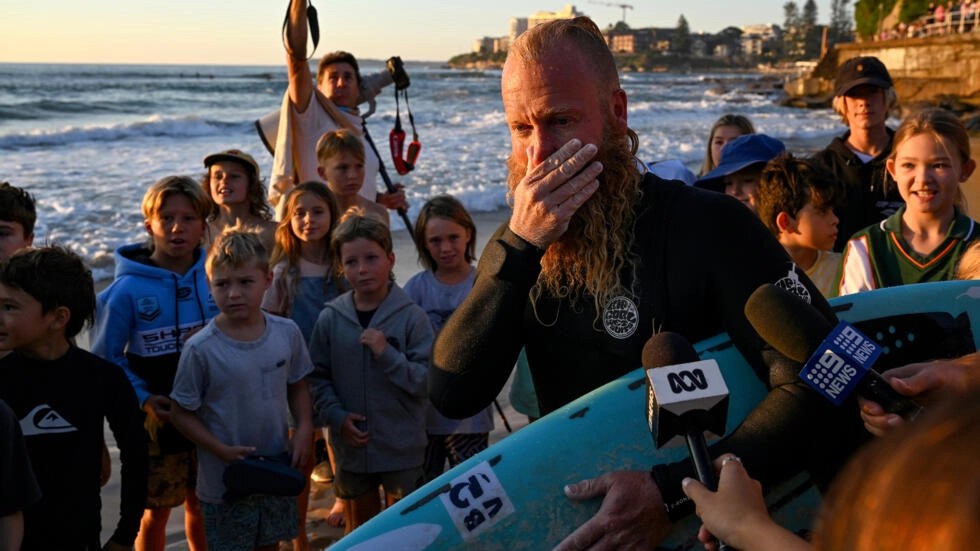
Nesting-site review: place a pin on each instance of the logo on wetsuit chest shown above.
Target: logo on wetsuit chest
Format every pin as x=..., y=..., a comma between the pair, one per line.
x=793, y=284
x=620, y=318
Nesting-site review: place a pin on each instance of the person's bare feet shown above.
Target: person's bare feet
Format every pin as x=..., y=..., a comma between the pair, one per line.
x=336, y=517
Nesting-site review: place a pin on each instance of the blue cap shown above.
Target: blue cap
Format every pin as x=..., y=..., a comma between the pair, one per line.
x=740, y=153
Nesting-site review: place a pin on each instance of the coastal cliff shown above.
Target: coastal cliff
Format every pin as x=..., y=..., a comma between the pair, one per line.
x=925, y=70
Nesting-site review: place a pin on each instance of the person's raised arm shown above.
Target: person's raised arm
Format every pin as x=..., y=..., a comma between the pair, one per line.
x=297, y=64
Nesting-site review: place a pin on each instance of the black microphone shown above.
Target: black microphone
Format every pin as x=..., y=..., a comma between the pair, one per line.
x=837, y=360
x=686, y=396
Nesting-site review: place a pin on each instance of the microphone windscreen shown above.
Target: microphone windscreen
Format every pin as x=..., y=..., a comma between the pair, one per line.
x=667, y=348
x=790, y=325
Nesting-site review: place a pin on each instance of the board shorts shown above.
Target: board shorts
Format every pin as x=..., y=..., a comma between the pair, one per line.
x=454, y=447
x=254, y=521
x=397, y=484
x=169, y=477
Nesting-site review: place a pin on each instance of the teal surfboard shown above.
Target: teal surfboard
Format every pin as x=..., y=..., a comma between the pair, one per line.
x=510, y=495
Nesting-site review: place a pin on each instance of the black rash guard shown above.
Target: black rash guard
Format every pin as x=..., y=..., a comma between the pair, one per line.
x=698, y=257
x=62, y=406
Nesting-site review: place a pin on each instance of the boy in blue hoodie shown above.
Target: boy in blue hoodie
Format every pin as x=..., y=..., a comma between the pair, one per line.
x=160, y=298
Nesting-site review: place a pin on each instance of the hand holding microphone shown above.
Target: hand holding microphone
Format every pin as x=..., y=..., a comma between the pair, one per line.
x=685, y=397
x=837, y=360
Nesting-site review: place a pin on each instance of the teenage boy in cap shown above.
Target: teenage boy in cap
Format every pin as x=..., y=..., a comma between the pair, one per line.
x=863, y=96
x=237, y=197
x=740, y=170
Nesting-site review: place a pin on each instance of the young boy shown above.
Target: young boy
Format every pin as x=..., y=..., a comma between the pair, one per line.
x=741, y=165
x=863, y=96
x=340, y=155
x=17, y=218
x=796, y=201
x=62, y=396
x=159, y=298
x=235, y=380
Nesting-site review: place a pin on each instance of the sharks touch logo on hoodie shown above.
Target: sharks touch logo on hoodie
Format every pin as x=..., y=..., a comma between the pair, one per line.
x=43, y=419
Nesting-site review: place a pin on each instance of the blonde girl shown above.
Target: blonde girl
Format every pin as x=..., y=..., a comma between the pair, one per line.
x=924, y=240
x=304, y=279
x=725, y=129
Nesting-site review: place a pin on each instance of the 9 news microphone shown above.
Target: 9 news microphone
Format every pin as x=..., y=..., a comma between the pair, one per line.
x=837, y=360
x=685, y=397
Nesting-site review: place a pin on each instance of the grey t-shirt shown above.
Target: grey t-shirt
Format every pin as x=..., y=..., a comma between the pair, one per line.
x=238, y=390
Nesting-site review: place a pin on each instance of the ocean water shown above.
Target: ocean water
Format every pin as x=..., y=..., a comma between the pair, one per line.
x=87, y=140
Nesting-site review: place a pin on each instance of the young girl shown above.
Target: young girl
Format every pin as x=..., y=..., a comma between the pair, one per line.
x=923, y=241
x=370, y=351
x=238, y=197
x=445, y=237
x=304, y=280
x=725, y=129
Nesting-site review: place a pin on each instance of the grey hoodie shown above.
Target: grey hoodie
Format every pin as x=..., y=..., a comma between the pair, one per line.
x=390, y=391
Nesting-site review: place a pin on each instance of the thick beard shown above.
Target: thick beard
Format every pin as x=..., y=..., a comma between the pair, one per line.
x=591, y=254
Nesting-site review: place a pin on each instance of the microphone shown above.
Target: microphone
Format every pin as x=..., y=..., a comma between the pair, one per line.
x=685, y=397
x=837, y=360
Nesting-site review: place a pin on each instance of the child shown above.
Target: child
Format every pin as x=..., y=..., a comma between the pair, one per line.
x=863, y=96
x=796, y=200
x=16, y=478
x=18, y=214
x=969, y=266
x=725, y=129
x=923, y=241
x=742, y=160
x=445, y=237
x=17, y=218
x=235, y=381
x=158, y=299
x=303, y=275
x=340, y=154
x=63, y=395
x=238, y=197
x=370, y=349
x=304, y=279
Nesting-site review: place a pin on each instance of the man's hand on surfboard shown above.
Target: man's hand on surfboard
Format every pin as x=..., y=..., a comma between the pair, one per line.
x=632, y=515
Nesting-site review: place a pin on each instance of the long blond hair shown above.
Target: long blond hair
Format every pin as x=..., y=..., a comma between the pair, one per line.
x=288, y=245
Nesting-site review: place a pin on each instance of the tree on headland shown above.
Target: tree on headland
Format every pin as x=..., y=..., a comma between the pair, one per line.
x=682, y=37
x=840, y=22
x=809, y=30
x=793, y=40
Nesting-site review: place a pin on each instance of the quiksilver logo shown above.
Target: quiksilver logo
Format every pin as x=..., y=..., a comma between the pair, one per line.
x=43, y=419
x=687, y=381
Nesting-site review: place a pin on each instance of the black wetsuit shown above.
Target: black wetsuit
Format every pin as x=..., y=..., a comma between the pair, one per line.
x=699, y=255
x=871, y=194
x=62, y=406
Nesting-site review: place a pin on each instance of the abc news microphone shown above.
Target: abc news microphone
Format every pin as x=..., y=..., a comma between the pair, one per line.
x=686, y=396
x=838, y=360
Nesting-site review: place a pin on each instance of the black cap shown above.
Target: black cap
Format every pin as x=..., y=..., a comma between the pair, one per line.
x=861, y=70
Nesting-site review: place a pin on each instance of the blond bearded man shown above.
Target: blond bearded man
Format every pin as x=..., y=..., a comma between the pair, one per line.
x=595, y=256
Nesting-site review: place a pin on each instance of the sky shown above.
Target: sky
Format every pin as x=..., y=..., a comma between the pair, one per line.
x=247, y=32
